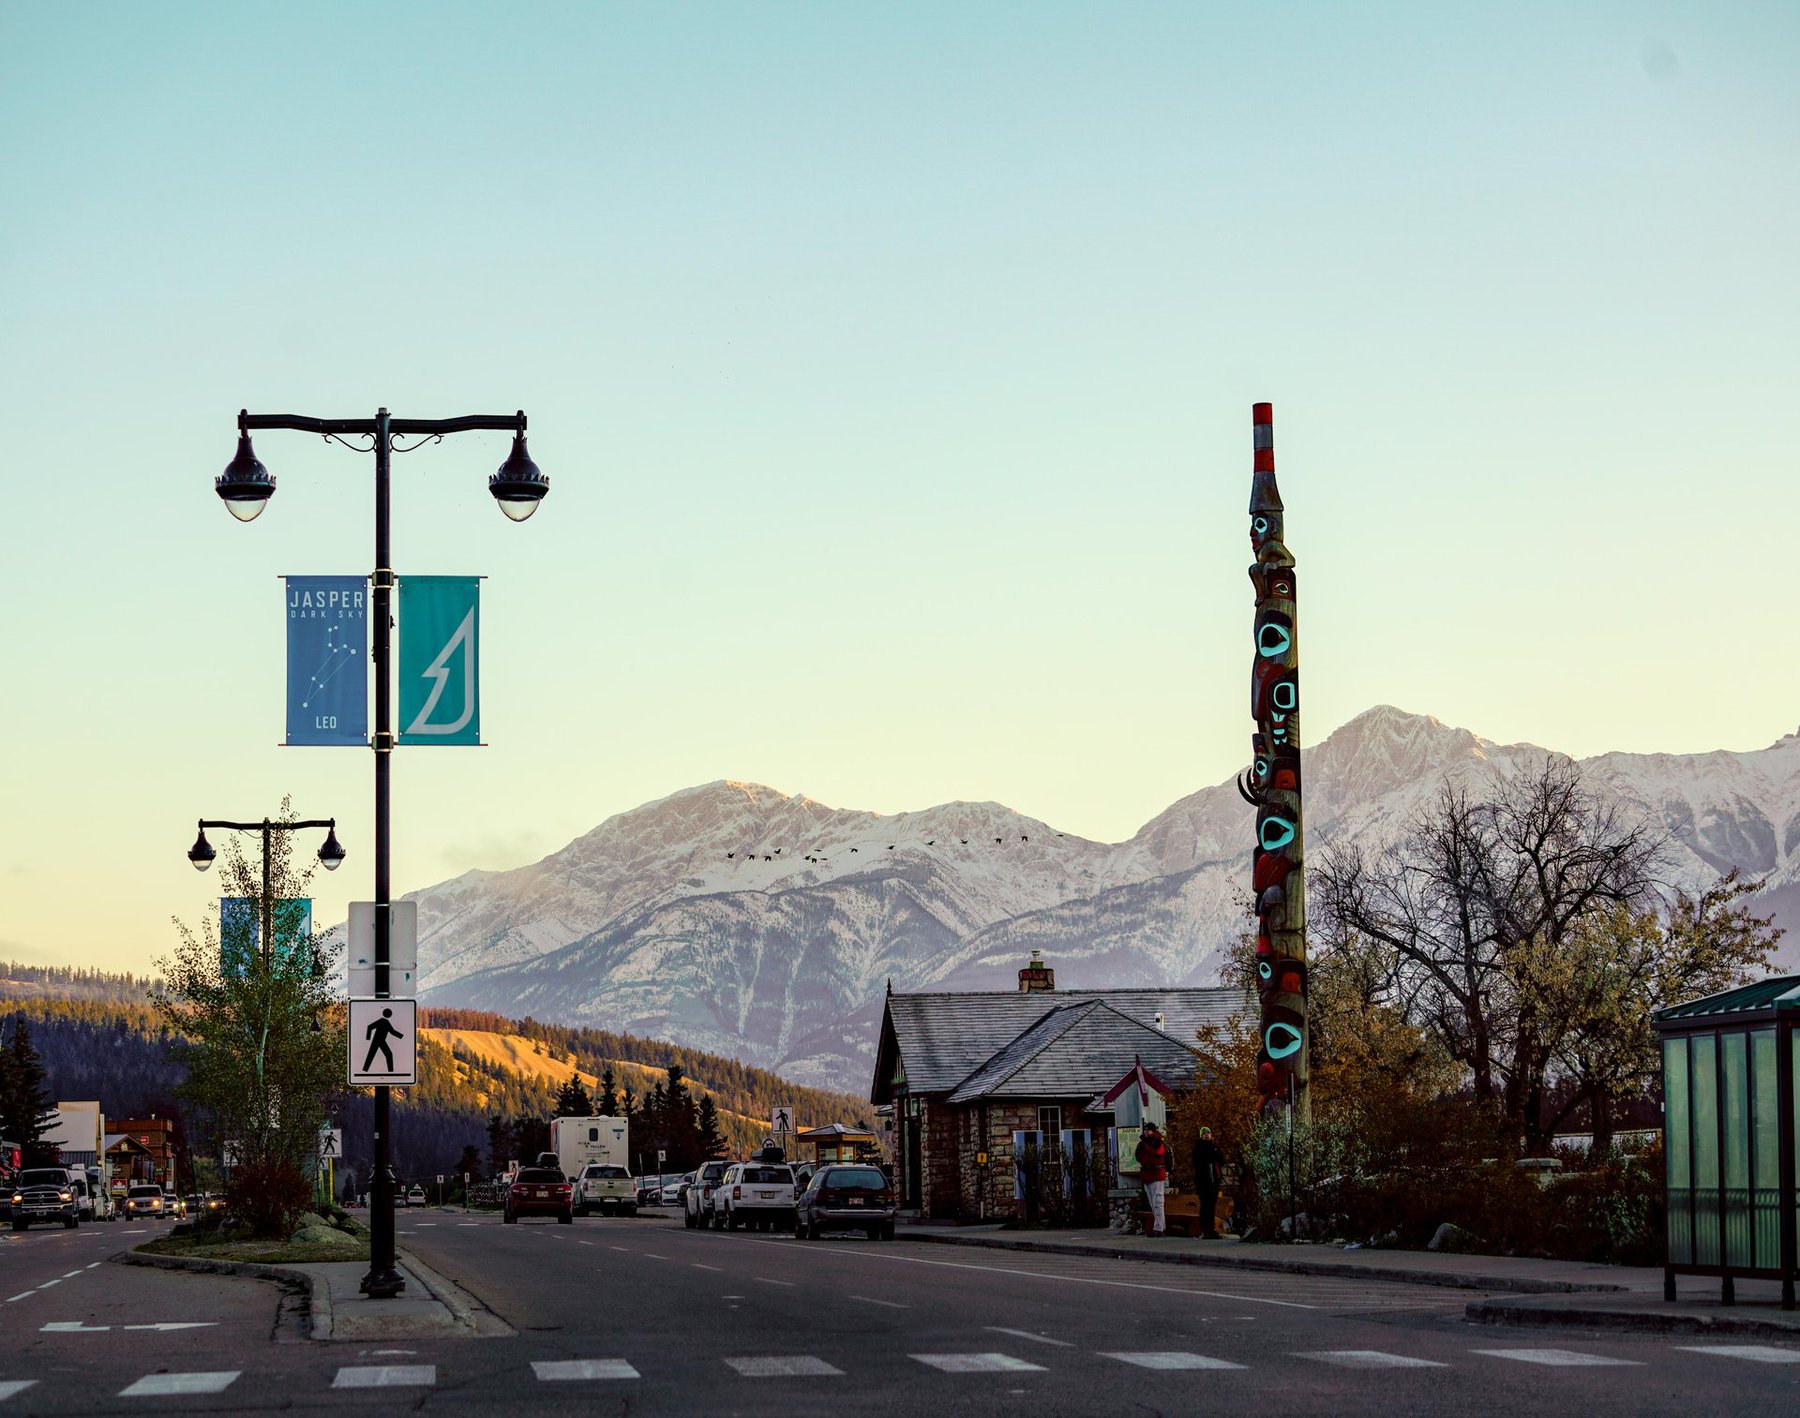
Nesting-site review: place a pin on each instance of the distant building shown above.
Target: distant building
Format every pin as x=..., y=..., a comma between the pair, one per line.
x=964, y=1071
x=79, y=1130
x=144, y=1151
x=840, y=1142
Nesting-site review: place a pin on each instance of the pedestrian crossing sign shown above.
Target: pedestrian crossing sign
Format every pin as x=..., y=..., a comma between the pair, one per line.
x=383, y=1041
x=331, y=1143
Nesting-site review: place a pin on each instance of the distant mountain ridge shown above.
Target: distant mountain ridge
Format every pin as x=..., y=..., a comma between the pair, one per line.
x=737, y=919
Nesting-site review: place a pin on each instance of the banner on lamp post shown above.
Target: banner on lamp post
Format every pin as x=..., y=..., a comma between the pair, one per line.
x=327, y=660
x=240, y=930
x=440, y=630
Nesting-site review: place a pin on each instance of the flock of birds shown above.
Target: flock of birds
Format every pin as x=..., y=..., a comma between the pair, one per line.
x=817, y=856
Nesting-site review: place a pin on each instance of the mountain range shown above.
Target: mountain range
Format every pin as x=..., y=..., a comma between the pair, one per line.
x=738, y=919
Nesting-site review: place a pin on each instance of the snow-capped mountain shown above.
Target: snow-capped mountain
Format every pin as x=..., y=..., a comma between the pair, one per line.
x=735, y=918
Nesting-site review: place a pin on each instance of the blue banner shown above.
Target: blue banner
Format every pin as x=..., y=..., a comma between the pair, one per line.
x=327, y=660
x=440, y=625
x=240, y=930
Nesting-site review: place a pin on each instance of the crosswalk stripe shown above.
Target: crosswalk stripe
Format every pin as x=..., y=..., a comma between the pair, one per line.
x=553, y=1370
x=10, y=1387
x=1172, y=1359
x=1555, y=1358
x=1369, y=1359
x=165, y=1385
x=784, y=1366
x=978, y=1363
x=385, y=1375
x=1756, y=1353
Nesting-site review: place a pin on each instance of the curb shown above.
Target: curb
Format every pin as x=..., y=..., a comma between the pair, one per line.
x=476, y=1318
x=1512, y=1284
x=1513, y=1312
x=318, y=1297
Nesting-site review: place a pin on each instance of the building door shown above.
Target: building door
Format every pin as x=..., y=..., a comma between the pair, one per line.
x=911, y=1150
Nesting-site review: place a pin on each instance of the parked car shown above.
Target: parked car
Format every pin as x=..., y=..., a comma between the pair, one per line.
x=674, y=1193
x=650, y=1188
x=415, y=1196
x=846, y=1197
x=759, y=1195
x=44, y=1194
x=540, y=1191
x=607, y=1188
x=145, y=1199
x=697, y=1201
x=173, y=1205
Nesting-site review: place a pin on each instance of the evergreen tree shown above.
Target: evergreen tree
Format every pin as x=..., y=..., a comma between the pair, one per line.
x=609, y=1095
x=469, y=1164
x=628, y=1107
x=502, y=1145
x=533, y=1136
x=712, y=1143
x=573, y=1100
x=25, y=1110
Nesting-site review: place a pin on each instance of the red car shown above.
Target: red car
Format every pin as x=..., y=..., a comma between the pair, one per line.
x=540, y=1191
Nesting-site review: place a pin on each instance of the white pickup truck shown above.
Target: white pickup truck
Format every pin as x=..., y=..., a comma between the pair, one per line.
x=607, y=1188
x=759, y=1195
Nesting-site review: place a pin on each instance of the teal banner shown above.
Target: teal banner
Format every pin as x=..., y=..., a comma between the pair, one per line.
x=240, y=930
x=440, y=643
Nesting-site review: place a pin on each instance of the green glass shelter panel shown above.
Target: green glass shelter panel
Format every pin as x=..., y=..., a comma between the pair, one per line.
x=1734, y=1051
x=1678, y=1131
x=1765, y=1149
x=1705, y=1132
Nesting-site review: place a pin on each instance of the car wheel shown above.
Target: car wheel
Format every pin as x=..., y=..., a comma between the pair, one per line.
x=71, y=1222
x=630, y=1210
x=887, y=1231
x=687, y=1219
x=566, y=1219
x=509, y=1218
x=21, y=1225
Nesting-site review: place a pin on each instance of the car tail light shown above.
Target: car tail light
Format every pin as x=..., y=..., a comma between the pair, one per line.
x=827, y=1195
x=737, y=1193
x=885, y=1197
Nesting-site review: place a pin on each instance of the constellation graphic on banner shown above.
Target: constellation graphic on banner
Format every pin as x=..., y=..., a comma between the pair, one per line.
x=1272, y=787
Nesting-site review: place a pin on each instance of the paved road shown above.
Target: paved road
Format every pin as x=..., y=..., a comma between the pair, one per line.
x=646, y=1317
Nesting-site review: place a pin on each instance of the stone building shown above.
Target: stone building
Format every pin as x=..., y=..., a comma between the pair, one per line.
x=964, y=1071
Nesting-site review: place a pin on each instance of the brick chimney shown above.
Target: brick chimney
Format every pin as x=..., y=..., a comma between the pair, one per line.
x=1037, y=975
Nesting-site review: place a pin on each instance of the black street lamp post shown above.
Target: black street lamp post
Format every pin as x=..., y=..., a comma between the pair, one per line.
x=245, y=487
x=331, y=857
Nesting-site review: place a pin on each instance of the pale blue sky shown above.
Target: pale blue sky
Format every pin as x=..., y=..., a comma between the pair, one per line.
x=892, y=367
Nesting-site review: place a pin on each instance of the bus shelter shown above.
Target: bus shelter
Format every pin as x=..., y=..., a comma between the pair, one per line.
x=1731, y=1091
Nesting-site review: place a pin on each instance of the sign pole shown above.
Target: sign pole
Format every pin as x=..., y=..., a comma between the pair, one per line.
x=382, y=1282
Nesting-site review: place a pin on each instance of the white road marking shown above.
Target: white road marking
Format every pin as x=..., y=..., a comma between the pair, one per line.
x=141, y=1231
x=73, y=1327
x=163, y=1385
x=1027, y=1334
x=764, y=1280
x=48, y=1283
x=626, y=1249
x=22, y=1295
x=385, y=1375
x=778, y=1366
x=978, y=1363
x=1756, y=1353
x=426, y=1225
x=584, y=1243
x=468, y=1223
x=1172, y=1359
x=551, y=1370
x=698, y=1266
x=90, y=1267
x=71, y=1274
x=14, y=1386
x=890, y=1304
x=167, y=1325
x=1370, y=1359
x=847, y=1251
x=654, y=1256
x=1555, y=1358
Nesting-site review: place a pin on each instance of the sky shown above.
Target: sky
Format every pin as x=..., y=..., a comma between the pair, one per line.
x=892, y=368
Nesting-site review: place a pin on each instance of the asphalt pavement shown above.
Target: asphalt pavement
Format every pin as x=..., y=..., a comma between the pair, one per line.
x=642, y=1316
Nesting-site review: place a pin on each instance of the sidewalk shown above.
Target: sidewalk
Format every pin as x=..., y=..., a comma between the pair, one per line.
x=430, y=1307
x=1530, y=1292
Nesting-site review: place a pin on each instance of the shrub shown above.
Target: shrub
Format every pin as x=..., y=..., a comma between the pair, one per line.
x=268, y=1197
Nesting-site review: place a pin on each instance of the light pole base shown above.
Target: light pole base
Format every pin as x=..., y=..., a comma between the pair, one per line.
x=383, y=1283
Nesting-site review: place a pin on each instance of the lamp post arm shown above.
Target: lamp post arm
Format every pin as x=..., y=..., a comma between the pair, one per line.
x=277, y=826
x=300, y=423
x=514, y=423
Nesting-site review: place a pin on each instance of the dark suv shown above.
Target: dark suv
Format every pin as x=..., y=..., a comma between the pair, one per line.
x=540, y=1191
x=846, y=1197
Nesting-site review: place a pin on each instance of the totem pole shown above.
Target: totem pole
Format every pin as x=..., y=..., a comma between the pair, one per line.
x=1272, y=786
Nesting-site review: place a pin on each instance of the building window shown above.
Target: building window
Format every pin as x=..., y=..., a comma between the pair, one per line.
x=1050, y=1122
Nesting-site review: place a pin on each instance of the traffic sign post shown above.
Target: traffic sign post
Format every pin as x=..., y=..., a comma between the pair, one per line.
x=783, y=1121
x=403, y=947
x=383, y=1042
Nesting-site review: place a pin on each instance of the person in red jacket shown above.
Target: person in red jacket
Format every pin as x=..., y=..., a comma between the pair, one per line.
x=1153, y=1172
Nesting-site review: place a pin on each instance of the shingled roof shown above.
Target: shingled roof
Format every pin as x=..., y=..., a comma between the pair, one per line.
x=1072, y=1051
x=939, y=1040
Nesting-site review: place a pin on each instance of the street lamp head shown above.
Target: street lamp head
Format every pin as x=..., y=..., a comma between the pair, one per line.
x=331, y=855
x=201, y=854
x=518, y=486
x=246, y=484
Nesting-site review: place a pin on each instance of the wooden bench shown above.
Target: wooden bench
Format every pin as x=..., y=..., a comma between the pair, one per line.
x=1181, y=1210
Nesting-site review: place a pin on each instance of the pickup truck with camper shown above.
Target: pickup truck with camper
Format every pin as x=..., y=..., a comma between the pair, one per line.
x=579, y=1141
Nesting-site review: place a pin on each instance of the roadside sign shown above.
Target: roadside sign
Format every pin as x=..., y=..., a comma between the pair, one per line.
x=403, y=948
x=383, y=1041
x=662, y=1156
x=229, y=1153
x=440, y=1179
x=331, y=1142
x=783, y=1120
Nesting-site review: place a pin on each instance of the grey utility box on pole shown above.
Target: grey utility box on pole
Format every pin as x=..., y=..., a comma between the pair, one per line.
x=1731, y=1089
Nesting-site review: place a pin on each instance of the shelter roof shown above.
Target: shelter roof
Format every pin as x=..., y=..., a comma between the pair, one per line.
x=1779, y=992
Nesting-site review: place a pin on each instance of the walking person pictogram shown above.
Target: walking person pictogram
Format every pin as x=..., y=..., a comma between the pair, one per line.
x=379, y=1033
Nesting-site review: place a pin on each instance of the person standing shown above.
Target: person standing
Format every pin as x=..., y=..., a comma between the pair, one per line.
x=1209, y=1170
x=1153, y=1172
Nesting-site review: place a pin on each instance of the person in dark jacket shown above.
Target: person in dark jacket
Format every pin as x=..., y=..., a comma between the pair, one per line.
x=1209, y=1169
x=1153, y=1172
